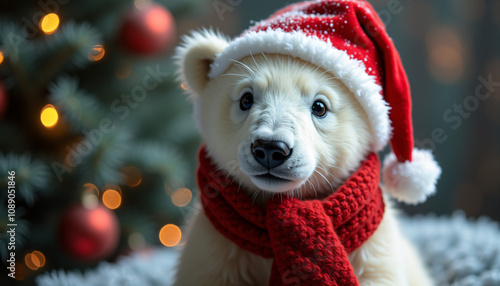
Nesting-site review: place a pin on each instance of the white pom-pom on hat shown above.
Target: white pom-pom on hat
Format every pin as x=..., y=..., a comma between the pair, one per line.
x=411, y=181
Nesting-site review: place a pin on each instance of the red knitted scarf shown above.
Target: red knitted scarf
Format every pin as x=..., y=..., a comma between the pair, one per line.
x=309, y=240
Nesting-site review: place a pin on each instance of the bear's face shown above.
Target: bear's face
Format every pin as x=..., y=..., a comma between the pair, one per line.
x=278, y=124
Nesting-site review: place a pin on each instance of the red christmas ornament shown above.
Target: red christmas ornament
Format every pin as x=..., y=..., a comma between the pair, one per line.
x=89, y=234
x=149, y=29
x=3, y=100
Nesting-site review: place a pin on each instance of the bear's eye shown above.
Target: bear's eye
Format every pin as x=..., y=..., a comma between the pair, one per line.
x=319, y=109
x=246, y=100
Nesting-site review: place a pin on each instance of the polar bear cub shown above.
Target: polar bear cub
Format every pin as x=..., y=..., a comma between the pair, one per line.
x=279, y=98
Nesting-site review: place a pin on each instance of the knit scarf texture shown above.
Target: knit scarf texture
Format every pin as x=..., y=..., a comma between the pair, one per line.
x=309, y=240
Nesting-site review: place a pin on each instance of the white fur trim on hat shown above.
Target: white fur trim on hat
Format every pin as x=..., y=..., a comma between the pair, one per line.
x=322, y=53
x=411, y=182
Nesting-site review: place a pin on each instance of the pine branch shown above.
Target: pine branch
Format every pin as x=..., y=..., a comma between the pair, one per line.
x=80, y=109
x=72, y=43
x=32, y=176
x=18, y=51
x=50, y=69
x=66, y=49
x=161, y=159
x=181, y=129
x=103, y=165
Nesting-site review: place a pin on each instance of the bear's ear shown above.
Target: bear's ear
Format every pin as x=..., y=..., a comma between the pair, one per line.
x=195, y=55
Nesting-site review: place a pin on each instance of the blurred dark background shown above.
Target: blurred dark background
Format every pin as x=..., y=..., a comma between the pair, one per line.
x=139, y=177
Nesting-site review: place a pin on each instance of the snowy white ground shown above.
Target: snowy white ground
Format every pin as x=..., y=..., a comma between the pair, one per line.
x=459, y=252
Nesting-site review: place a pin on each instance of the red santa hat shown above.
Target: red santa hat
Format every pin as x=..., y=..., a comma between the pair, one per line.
x=348, y=39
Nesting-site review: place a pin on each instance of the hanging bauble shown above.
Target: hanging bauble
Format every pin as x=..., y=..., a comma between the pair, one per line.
x=148, y=29
x=89, y=234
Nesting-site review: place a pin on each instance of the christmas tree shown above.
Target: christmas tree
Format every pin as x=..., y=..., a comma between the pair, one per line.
x=97, y=142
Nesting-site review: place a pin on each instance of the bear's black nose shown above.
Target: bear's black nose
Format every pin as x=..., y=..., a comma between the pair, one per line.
x=270, y=154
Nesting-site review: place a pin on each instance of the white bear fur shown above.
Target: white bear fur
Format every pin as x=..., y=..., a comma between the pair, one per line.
x=326, y=152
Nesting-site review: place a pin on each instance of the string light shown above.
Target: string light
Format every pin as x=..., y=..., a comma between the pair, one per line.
x=29, y=262
x=184, y=86
x=1, y=57
x=49, y=116
x=170, y=235
x=35, y=260
x=181, y=197
x=111, y=199
x=49, y=23
x=97, y=53
x=38, y=258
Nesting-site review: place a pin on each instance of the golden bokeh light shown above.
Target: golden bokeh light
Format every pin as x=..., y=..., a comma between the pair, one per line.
x=445, y=57
x=446, y=54
x=181, y=197
x=132, y=175
x=170, y=235
x=35, y=260
x=1, y=57
x=111, y=199
x=49, y=23
x=49, y=116
x=97, y=53
x=29, y=262
x=38, y=258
